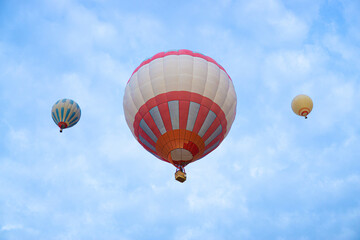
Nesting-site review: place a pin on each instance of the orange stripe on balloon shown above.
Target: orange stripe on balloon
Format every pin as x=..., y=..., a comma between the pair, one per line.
x=304, y=109
x=191, y=142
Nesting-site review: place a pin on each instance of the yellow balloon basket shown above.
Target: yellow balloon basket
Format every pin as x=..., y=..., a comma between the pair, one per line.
x=180, y=176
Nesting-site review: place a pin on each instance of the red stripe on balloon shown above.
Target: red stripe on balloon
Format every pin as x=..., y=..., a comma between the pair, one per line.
x=165, y=115
x=195, y=97
x=159, y=99
x=143, y=110
x=212, y=128
x=143, y=134
x=150, y=150
x=137, y=120
x=151, y=103
x=203, y=112
x=211, y=150
x=220, y=137
x=220, y=115
x=173, y=96
x=186, y=96
x=152, y=125
x=162, y=99
x=206, y=102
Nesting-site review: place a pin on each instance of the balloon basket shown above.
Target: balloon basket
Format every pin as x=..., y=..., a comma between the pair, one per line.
x=180, y=176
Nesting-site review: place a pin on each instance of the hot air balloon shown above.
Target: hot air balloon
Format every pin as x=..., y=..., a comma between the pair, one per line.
x=65, y=113
x=302, y=105
x=179, y=105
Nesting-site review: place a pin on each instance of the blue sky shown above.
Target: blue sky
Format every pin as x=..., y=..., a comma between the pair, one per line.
x=275, y=176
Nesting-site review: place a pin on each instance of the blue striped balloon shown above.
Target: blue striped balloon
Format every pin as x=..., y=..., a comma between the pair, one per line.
x=65, y=113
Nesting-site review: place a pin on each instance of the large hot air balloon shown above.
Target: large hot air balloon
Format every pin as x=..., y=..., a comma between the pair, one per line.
x=179, y=105
x=65, y=113
x=302, y=105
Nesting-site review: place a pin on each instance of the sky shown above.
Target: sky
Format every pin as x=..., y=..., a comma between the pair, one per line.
x=275, y=176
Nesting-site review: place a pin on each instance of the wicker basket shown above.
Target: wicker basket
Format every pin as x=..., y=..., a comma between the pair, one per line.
x=180, y=176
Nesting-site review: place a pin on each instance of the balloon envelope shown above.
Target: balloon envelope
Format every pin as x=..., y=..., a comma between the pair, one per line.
x=179, y=105
x=65, y=113
x=302, y=105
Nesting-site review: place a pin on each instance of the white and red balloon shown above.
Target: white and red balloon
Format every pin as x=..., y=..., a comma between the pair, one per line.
x=180, y=105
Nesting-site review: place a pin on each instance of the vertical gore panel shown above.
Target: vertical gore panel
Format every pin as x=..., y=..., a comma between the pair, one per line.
x=135, y=91
x=62, y=113
x=207, y=123
x=171, y=72
x=186, y=68
x=147, y=130
x=155, y=114
x=199, y=75
x=152, y=125
x=212, y=147
x=146, y=143
x=203, y=112
x=145, y=83
x=174, y=113
x=222, y=90
x=54, y=117
x=212, y=81
x=193, y=112
x=165, y=115
x=72, y=123
x=214, y=135
x=156, y=73
x=67, y=114
x=183, y=113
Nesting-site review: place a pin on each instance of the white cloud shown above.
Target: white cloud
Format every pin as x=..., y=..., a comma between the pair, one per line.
x=9, y=227
x=19, y=138
x=270, y=22
x=339, y=45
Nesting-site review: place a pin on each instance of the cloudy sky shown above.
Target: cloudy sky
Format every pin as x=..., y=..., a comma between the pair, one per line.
x=275, y=176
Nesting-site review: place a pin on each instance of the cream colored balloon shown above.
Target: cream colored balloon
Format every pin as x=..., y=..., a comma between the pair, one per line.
x=302, y=105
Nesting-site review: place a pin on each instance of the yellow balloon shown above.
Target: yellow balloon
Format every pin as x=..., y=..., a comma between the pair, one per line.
x=302, y=105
